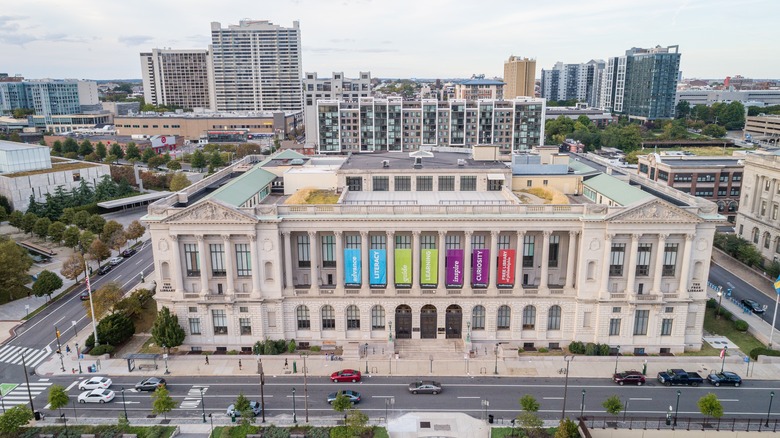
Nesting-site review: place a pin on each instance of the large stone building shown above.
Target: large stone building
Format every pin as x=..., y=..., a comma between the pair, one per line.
x=758, y=219
x=178, y=78
x=426, y=245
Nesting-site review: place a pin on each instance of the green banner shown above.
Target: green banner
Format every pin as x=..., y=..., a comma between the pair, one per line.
x=403, y=268
x=429, y=267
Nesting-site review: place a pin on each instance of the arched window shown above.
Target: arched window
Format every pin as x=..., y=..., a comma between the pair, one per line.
x=302, y=314
x=478, y=318
x=554, y=318
x=767, y=240
x=529, y=318
x=755, y=235
x=353, y=317
x=377, y=318
x=328, y=318
x=503, y=318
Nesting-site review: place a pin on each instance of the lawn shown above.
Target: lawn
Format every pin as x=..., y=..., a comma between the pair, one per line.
x=6, y=295
x=97, y=431
x=725, y=327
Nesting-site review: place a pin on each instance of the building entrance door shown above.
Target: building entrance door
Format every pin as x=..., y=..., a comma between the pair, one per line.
x=403, y=322
x=428, y=319
x=453, y=320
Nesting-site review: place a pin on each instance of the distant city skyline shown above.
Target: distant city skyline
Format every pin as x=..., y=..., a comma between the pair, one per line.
x=87, y=39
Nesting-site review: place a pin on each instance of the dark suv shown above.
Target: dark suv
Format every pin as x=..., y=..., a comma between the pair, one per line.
x=629, y=378
x=105, y=269
x=753, y=306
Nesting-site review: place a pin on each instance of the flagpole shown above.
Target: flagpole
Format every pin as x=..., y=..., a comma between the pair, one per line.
x=774, y=316
x=92, y=308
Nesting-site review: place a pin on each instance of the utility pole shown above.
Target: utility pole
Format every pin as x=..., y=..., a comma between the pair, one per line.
x=305, y=388
x=262, y=385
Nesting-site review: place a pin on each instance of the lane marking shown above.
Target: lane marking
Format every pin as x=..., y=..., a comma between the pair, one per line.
x=71, y=385
x=470, y=397
x=641, y=398
x=552, y=398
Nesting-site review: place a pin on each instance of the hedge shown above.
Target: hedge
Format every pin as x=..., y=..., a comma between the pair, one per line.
x=763, y=351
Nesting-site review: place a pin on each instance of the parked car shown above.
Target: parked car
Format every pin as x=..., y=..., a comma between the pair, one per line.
x=128, y=252
x=354, y=396
x=105, y=269
x=151, y=384
x=425, y=387
x=345, y=376
x=84, y=296
x=754, y=306
x=629, y=378
x=725, y=378
x=115, y=261
x=96, y=396
x=95, y=383
x=680, y=377
x=254, y=406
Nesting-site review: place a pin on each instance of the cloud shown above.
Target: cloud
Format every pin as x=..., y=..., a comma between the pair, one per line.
x=135, y=40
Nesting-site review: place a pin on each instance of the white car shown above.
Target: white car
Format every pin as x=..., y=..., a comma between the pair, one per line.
x=115, y=261
x=96, y=396
x=95, y=383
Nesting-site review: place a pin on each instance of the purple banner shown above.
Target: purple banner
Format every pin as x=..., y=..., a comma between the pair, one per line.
x=454, y=268
x=480, y=267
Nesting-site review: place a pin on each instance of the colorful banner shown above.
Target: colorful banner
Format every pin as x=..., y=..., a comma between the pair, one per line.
x=352, y=267
x=506, y=267
x=429, y=267
x=480, y=267
x=378, y=260
x=454, y=276
x=403, y=268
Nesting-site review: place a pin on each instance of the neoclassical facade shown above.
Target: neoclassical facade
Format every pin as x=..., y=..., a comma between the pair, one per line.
x=462, y=258
x=758, y=219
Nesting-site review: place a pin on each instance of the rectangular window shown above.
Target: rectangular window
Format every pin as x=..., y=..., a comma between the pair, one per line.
x=614, y=327
x=192, y=259
x=243, y=309
x=643, y=259
x=328, y=318
x=328, y=251
x=424, y=183
x=641, y=318
x=478, y=242
x=377, y=318
x=468, y=183
x=220, y=322
x=352, y=241
x=381, y=183
x=528, y=251
x=378, y=241
x=666, y=327
x=243, y=260
x=194, y=326
x=246, y=325
x=552, y=259
x=616, y=259
x=504, y=241
x=616, y=310
x=403, y=183
x=192, y=309
x=446, y=183
x=494, y=185
x=428, y=242
x=303, y=251
x=452, y=241
x=355, y=183
x=670, y=259
x=586, y=316
x=403, y=242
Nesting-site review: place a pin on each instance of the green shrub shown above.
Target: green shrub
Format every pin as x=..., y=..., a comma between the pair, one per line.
x=543, y=350
x=712, y=303
x=291, y=346
x=591, y=349
x=520, y=350
x=102, y=349
x=725, y=314
x=763, y=351
x=577, y=347
x=233, y=352
x=603, y=350
x=315, y=348
x=741, y=325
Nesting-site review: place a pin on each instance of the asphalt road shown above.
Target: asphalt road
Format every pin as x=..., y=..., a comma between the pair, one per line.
x=742, y=290
x=459, y=395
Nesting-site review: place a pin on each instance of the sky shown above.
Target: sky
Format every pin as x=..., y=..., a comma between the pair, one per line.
x=90, y=39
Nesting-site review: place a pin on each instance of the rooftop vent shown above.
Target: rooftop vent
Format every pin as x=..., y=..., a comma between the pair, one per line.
x=461, y=162
x=418, y=162
x=296, y=162
x=385, y=163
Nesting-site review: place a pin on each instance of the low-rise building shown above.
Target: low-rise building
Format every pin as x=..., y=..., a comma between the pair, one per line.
x=763, y=128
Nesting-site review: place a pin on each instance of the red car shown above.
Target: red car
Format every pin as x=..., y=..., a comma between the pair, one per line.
x=629, y=378
x=345, y=376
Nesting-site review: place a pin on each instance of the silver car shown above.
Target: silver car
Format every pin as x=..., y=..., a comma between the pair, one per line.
x=425, y=387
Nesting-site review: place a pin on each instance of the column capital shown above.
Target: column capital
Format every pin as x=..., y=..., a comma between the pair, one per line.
x=226, y=237
x=416, y=233
x=609, y=236
x=520, y=233
x=312, y=233
x=388, y=233
x=493, y=233
x=253, y=237
x=571, y=233
x=468, y=233
x=364, y=234
x=442, y=232
x=689, y=236
x=174, y=237
x=286, y=233
x=636, y=236
x=662, y=237
x=199, y=237
x=338, y=233
x=546, y=234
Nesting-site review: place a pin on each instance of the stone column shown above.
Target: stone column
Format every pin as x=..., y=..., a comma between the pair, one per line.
x=204, y=276
x=314, y=260
x=685, y=268
x=632, y=252
x=770, y=198
x=339, y=259
x=519, y=261
x=545, y=262
x=570, y=283
x=231, y=289
x=416, y=260
x=256, y=274
x=442, y=276
x=390, y=260
x=605, y=264
x=365, y=262
x=176, y=272
x=493, y=273
x=288, y=266
x=467, y=259
x=659, y=263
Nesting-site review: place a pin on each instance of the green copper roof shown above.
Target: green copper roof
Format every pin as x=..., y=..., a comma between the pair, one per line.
x=579, y=166
x=286, y=154
x=615, y=189
x=240, y=189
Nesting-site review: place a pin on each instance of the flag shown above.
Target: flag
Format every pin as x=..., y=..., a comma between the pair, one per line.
x=722, y=353
x=88, y=288
x=777, y=285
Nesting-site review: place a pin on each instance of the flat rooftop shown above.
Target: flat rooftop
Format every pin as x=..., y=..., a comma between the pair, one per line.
x=699, y=162
x=16, y=146
x=427, y=198
x=403, y=161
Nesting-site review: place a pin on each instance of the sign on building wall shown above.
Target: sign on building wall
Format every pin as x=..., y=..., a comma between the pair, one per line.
x=429, y=267
x=454, y=263
x=506, y=267
x=480, y=267
x=352, y=267
x=403, y=268
x=378, y=261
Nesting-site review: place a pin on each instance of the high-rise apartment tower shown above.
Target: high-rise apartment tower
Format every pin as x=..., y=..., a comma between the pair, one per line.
x=519, y=76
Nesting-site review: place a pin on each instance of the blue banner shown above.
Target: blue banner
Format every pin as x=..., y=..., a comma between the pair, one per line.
x=352, y=272
x=378, y=262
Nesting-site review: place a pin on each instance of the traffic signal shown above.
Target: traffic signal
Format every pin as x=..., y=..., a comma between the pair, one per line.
x=58, y=333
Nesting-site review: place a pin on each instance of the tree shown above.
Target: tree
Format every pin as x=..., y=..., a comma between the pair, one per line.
x=613, y=405
x=85, y=240
x=166, y=329
x=342, y=403
x=111, y=158
x=116, y=150
x=104, y=298
x=56, y=148
x=67, y=215
x=58, y=397
x=70, y=238
x=242, y=406
x=28, y=222
x=675, y=130
x=73, y=266
x=162, y=402
x=70, y=146
x=567, y=429
x=713, y=130
x=132, y=153
x=41, y=227
x=3, y=214
x=85, y=148
x=683, y=109
x=81, y=219
x=14, y=264
x=100, y=150
x=147, y=154
x=96, y=224
x=99, y=251
x=356, y=423
x=155, y=161
x=113, y=330
x=215, y=159
x=710, y=406
x=528, y=419
x=15, y=219
x=135, y=230
x=173, y=165
x=14, y=418
x=198, y=160
x=46, y=284
x=56, y=231
x=179, y=182
x=113, y=235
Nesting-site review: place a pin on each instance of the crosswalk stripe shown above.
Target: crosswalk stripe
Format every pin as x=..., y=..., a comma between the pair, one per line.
x=12, y=354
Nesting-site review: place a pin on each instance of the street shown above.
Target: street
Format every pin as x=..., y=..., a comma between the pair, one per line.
x=742, y=290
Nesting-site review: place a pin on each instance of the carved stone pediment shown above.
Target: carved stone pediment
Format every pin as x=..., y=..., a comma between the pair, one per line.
x=210, y=212
x=654, y=211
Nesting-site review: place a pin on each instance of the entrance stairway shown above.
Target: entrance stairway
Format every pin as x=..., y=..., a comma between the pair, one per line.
x=424, y=348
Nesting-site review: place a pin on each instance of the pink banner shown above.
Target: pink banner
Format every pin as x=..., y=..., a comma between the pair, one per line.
x=506, y=267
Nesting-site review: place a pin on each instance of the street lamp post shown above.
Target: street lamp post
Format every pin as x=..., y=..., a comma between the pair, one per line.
x=568, y=359
x=617, y=357
x=769, y=411
x=720, y=298
x=495, y=370
x=365, y=348
x=124, y=404
x=295, y=419
x=262, y=385
x=27, y=380
x=165, y=356
x=305, y=390
x=723, y=359
x=430, y=358
x=582, y=406
x=202, y=405
x=677, y=407
x=468, y=331
x=78, y=356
